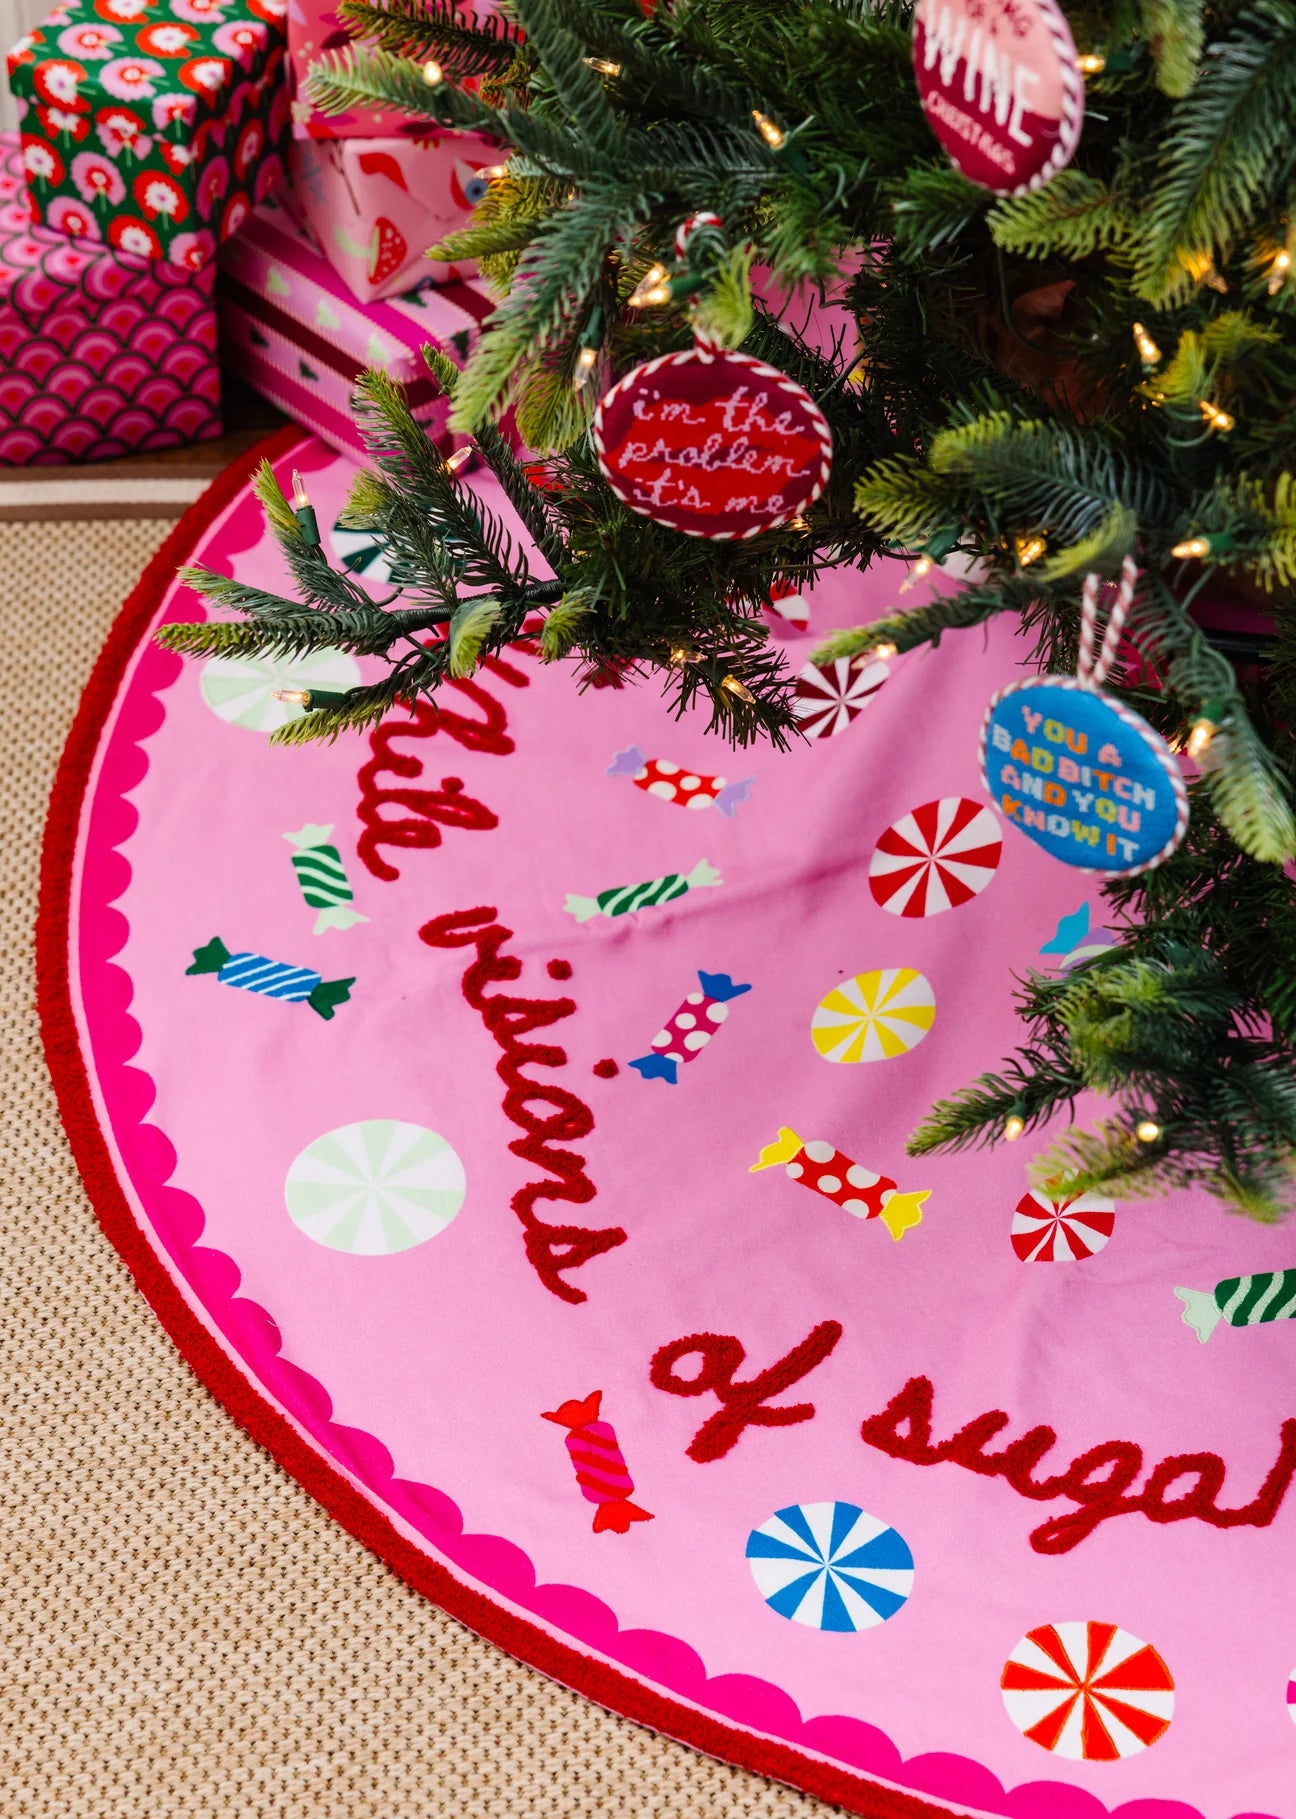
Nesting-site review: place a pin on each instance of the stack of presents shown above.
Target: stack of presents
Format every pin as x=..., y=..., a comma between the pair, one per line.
x=172, y=200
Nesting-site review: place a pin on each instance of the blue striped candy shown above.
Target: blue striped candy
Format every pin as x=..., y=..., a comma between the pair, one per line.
x=254, y=973
x=830, y=1566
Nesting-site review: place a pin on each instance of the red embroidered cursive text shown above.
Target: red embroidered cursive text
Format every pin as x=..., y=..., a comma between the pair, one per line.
x=551, y=1249
x=400, y=815
x=1099, y=1481
x=742, y=1405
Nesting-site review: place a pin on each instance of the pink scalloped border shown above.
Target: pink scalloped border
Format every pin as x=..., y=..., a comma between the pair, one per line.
x=765, y=1716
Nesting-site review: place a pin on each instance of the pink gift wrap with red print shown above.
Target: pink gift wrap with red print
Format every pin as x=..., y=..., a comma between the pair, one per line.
x=376, y=205
x=298, y=335
x=152, y=125
x=100, y=353
x=315, y=29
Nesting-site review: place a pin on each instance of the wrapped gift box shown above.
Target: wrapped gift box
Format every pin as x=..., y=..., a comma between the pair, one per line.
x=376, y=205
x=101, y=352
x=154, y=128
x=314, y=27
x=299, y=336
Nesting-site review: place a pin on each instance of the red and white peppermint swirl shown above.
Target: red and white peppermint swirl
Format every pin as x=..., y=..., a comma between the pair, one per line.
x=1061, y=1231
x=1087, y=1691
x=937, y=856
x=828, y=698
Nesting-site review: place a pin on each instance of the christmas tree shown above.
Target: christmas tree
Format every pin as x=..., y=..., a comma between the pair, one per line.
x=1050, y=377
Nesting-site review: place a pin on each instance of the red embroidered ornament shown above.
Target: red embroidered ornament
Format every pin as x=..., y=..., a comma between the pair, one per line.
x=712, y=443
x=1001, y=88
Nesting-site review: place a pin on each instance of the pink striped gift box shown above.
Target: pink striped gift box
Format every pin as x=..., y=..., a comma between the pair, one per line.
x=294, y=331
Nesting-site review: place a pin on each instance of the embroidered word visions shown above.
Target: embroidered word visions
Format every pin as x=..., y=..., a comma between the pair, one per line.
x=551, y=1249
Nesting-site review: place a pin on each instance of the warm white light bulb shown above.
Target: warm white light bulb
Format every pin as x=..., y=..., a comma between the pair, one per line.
x=1192, y=546
x=651, y=289
x=774, y=136
x=1029, y=549
x=603, y=67
x=1200, y=737
x=586, y=361
x=1217, y=419
x=1149, y=352
x=296, y=697
x=301, y=498
x=433, y=74
x=923, y=566
x=454, y=462
x=1091, y=64
x=1014, y=1125
x=1147, y=1130
x=732, y=686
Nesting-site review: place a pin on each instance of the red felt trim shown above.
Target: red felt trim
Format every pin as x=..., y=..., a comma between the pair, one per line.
x=605, y=1685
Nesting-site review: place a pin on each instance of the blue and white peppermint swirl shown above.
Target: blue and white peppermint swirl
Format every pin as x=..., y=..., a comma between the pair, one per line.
x=830, y=1566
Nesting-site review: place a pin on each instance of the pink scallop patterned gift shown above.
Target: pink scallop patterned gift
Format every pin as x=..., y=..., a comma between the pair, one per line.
x=376, y=205
x=101, y=352
x=300, y=337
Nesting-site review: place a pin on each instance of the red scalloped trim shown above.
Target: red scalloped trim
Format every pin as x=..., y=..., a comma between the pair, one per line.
x=594, y=1679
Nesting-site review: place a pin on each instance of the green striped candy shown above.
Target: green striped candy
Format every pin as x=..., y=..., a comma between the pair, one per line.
x=625, y=897
x=1248, y=1300
x=322, y=878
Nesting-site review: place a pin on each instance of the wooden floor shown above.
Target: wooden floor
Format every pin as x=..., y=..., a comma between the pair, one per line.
x=157, y=485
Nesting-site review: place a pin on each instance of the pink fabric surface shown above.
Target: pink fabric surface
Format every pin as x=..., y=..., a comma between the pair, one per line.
x=101, y=353
x=376, y=205
x=427, y=1372
x=302, y=338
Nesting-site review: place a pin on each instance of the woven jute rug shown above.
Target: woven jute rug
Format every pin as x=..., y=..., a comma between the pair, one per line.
x=183, y=1630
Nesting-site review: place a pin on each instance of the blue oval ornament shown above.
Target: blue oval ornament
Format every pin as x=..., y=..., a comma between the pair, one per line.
x=1083, y=776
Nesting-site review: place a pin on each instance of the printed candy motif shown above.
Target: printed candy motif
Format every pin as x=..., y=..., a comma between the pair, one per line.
x=672, y=783
x=830, y=1566
x=854, y=1189
x=361, y=553
x=1241, y=1301
x=242, y=690
x=935, y=857
x=874, y=1016
x=785, y=603
x=271, y=978
x=829, y=696
x=690, y=1029
x=1087, y=1691
x=375, y=1188
x=322, y=878
x=1058, y=1231
x=625, y=897
x=599, y=1465
x=1075, y=942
